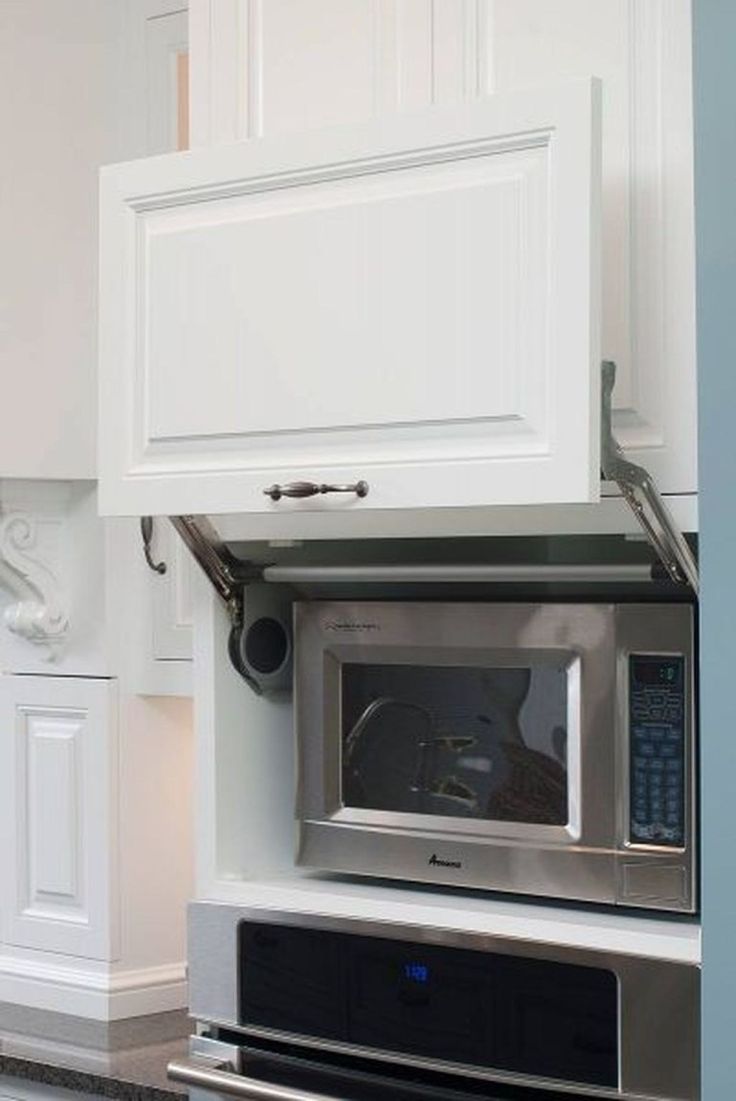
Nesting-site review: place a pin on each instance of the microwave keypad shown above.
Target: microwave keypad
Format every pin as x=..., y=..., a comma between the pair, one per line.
x=657, y=764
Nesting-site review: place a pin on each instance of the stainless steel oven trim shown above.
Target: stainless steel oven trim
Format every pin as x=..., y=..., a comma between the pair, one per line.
x=205, y=1074
x=654, y=1064
x=202, y=1074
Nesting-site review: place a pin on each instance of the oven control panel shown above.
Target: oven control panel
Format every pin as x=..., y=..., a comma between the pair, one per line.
x=483, y=1010
x=657, y=748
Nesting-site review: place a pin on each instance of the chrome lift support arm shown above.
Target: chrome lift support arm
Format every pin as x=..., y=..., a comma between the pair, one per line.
x=640, y=492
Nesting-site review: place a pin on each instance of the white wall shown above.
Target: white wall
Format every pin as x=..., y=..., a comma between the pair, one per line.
x=59, y=81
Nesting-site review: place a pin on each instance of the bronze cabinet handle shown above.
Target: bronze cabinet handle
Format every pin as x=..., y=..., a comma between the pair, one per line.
x=147, y=537
x=312, y=489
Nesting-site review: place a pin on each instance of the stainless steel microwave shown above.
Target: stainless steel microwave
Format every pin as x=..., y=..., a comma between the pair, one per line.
x=542, y=749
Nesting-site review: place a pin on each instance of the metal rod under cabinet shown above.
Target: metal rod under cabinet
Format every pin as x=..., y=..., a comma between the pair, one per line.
x=425, y=574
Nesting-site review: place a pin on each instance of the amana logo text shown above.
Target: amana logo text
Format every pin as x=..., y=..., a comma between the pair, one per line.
x=350, y=625
x=436, y=862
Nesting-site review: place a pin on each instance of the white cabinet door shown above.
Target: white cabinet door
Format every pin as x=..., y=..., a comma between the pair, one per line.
x=284, y=66
x=411, y=302
x=58, y=814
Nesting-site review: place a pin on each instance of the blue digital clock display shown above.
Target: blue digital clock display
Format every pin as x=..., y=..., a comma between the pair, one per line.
x=416, y=972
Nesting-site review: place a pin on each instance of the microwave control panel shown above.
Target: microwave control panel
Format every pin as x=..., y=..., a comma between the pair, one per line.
x=657, y=747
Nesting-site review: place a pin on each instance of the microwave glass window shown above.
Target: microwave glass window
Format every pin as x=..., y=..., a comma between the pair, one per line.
x=487, y=743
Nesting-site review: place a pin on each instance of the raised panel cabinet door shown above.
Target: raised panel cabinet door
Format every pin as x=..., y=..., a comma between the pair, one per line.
x=58, y=808
x=263, y=68
x=413, y=303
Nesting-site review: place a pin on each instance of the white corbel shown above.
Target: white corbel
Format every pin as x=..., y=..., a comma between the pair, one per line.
x=31, y=567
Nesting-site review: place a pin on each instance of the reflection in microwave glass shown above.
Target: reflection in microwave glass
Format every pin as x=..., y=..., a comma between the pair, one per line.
x=487, y=743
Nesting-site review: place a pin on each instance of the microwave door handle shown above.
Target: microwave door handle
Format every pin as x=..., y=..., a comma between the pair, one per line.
x=206, y=1075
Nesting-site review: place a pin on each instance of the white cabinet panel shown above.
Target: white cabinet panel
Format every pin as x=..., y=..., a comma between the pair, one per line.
x=641, y=51
x=172, y=596
x=412, y=302
x=169, y=640
x=167, y=70
x=58, y=777
x=266, y=68
x=271, y=67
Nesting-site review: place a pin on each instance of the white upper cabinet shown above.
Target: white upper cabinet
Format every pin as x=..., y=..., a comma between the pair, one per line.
x=411, y=303
x=422, y=328
x=285, y=65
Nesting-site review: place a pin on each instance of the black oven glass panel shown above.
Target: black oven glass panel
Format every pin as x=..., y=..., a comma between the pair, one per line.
x=526, y=1016
x=657, y=750
x=458, y=741
x=419, y=1001
x=292, y=976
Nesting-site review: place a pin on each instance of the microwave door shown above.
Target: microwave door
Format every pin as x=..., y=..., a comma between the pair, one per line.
x=485, y=743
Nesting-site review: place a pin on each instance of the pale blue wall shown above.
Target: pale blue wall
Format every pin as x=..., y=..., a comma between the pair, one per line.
x=714, y=25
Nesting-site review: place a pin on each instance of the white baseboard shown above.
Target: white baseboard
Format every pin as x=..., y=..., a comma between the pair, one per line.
x=100, y=994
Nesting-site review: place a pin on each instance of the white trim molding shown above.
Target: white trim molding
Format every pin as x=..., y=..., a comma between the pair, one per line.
x=32, y=544
x=80, y=988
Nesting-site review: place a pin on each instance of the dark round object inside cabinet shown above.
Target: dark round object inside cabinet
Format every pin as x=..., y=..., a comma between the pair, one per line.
x=266, y=645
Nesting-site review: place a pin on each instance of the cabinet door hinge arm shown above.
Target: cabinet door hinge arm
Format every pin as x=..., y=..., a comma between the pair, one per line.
x=640, y=492
x=227, y=574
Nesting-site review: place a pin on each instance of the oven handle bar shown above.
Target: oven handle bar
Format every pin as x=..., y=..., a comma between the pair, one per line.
x=207, y=1075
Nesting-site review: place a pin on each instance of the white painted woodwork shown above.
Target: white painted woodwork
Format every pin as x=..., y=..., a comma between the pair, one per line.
x=609, y=516
x=157, y=650
x=172, y=598
x=59, y=812
x=167, y=37
x=263, y=68
x=166, y=41
x=53, y=581
x=33, y=563
x=413, y=302
x=95, y=782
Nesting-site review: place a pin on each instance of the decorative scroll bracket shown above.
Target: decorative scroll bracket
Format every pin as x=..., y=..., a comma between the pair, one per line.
x=29, y=570
x=641, y=494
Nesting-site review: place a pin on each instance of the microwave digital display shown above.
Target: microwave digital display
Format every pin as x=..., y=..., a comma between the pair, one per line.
x=473, y=742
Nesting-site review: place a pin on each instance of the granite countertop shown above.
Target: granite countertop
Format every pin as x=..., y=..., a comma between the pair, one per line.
x=117, y=1059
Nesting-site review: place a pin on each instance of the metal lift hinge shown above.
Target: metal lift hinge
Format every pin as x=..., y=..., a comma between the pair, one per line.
x=227, y=574
x=640, y=492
